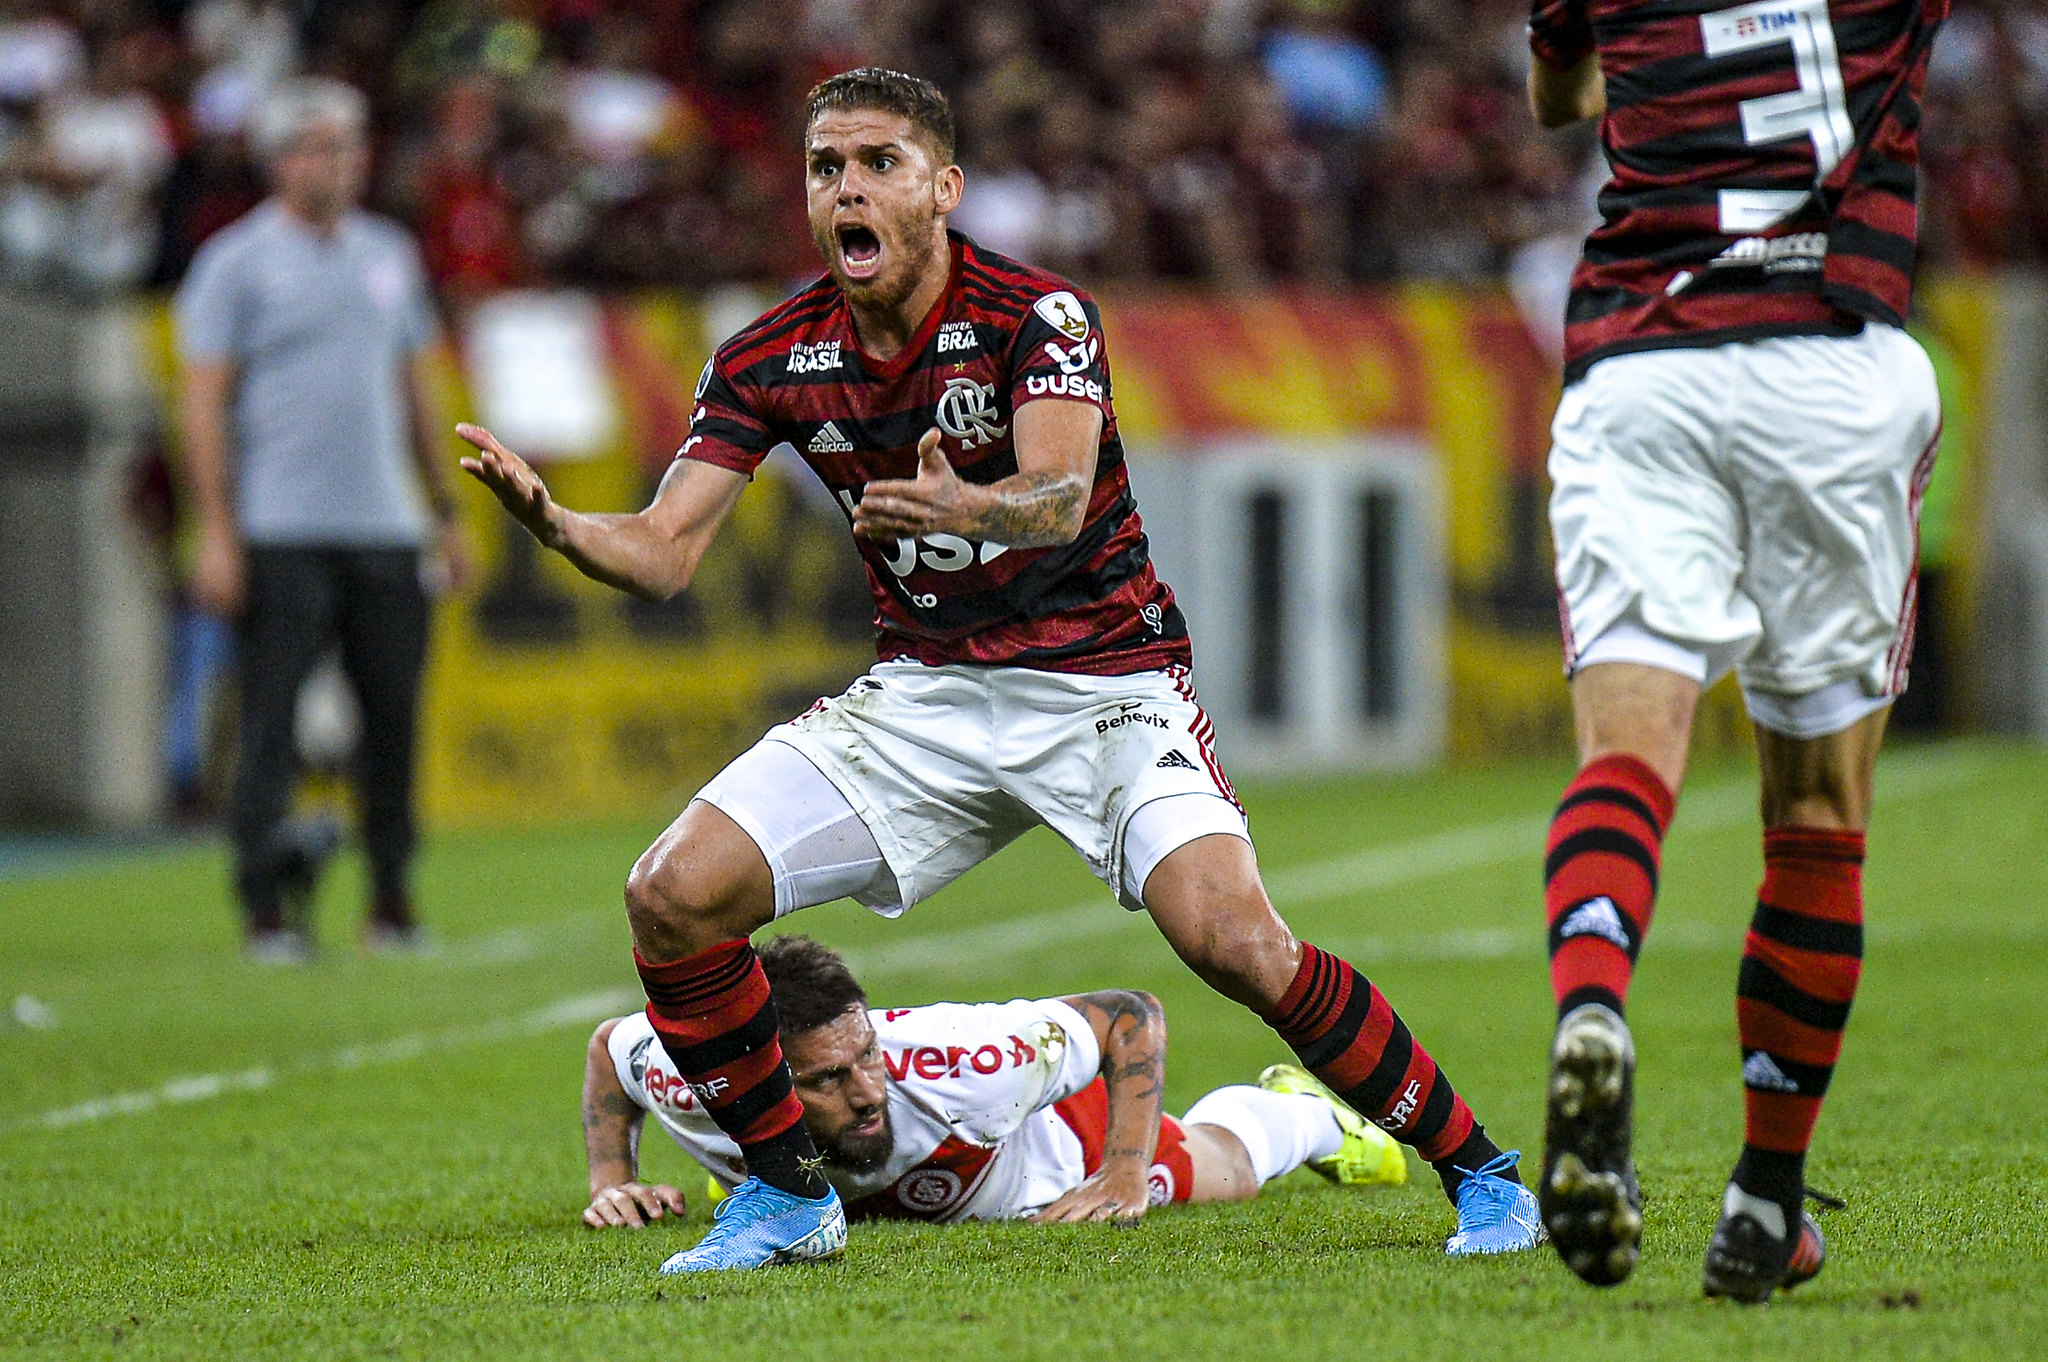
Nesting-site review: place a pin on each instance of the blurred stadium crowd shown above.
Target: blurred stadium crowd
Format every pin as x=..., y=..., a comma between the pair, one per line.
x=607, y=143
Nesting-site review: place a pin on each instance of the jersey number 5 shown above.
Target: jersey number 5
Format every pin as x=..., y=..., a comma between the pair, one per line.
x=1818, y=109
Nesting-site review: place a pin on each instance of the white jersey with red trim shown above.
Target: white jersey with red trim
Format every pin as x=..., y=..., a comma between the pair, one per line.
x=971, y=1087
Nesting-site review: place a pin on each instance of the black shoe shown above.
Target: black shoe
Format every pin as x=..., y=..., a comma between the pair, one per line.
x=1746, y=1262
x=1589, y=1198
x=303, y=849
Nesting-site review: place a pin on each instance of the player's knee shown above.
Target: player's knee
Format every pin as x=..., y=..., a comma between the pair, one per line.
x=673, y=903
x=1242, y=950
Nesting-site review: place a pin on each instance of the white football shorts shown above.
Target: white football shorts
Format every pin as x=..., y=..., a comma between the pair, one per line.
x=1751, y=506
x=916, y=774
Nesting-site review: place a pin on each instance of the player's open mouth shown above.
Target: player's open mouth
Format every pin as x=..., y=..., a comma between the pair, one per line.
x=860, y=251
x=871, y=1126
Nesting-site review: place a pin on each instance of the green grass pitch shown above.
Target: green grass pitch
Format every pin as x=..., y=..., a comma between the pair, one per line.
x=381, y=1158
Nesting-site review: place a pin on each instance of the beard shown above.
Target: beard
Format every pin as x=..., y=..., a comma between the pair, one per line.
x=862, y=1153
x=909, y=252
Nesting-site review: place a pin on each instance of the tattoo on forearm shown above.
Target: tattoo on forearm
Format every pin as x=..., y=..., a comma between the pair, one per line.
x=1133, y=1066
x=611, y=1108
x=1032, y=510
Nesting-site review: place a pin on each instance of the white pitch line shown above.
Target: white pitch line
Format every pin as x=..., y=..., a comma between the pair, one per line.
x=571, y=1011
x=1376, y=868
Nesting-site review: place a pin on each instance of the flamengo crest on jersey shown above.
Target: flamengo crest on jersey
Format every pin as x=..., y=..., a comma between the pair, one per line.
x=1003, y=334
x=1764, y=164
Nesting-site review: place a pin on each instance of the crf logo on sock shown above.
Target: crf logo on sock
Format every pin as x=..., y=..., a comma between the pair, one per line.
x=1411, y=1098
x=1595, y=917
x=708, y=1092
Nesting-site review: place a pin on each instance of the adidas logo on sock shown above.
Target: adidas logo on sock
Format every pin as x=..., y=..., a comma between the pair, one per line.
x=828, y=440
x=1761, y=1071
x=1596, y=917
x=1174, y=761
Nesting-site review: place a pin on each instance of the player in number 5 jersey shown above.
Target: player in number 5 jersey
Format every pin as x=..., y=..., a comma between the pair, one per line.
x=1737, y=465
x=1033, y=672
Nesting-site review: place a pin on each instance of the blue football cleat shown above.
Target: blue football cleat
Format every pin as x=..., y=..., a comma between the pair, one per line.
x=761, y=1226
x=1494, y=1214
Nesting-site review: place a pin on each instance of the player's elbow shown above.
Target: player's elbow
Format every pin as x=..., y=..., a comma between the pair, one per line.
x=1140, y=1007
x=1073, y=516
x=674, y=569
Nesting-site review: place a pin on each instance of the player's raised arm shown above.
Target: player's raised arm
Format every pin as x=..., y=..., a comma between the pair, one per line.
x=1043, y=504
x=652, y=553
x=1130, y=1032
x=611, y=1139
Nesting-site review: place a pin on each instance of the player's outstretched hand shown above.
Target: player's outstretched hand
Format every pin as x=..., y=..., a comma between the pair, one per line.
x=632, y=1205
x=1121, y=1193
x=935, y=500
x=512, y=480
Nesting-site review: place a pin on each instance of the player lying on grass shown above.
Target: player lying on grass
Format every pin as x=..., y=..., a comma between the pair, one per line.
x=1033, y=672
x=975, y=1111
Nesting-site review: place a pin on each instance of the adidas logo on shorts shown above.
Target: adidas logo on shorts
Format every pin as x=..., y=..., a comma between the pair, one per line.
x=1595, y=917
x=1174, y=761
x=1761, y=1071
x=828, y=440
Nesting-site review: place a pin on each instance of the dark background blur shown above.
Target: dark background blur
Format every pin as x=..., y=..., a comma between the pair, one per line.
x=587, y=142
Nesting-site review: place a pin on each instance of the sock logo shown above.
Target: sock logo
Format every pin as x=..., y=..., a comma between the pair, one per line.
x=1595, y=917
x=707, y=1092
x=1411, y=1097
x=1761, y=1071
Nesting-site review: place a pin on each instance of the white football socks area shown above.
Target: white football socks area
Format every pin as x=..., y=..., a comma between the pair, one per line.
x=1280, y=1130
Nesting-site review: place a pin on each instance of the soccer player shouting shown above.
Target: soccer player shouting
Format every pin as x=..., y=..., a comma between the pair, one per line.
x=1737, y=466
x=973, y=1111
x=1033, y=670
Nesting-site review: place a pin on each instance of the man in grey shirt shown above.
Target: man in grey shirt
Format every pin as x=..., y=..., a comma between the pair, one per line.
x=303, y=331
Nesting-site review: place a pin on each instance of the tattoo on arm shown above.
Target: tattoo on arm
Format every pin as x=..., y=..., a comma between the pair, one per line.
x=611, y=1124
x=1131, y=1028
x=1033, y=510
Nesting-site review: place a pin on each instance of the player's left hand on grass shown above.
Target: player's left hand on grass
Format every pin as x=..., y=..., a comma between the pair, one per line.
x=1119, y=1192
x=632, y=1205
x=935, y=501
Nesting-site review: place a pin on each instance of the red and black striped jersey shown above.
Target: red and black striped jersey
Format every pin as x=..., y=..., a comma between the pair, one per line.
x=1763, y=164
x=1003, y=334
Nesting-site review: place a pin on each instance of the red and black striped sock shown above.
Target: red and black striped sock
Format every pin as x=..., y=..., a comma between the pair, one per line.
x=1600, y=878
x=1346, y=1034
x=1800, y=965
x=717, y=1021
